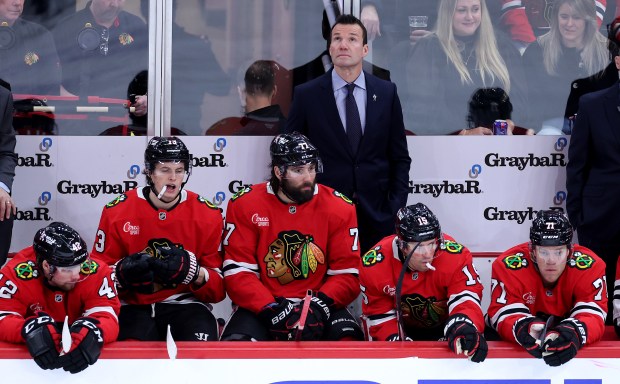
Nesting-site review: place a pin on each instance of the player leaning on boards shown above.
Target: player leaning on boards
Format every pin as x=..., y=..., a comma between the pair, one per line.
x=420, y=284
x=547, y=295
x=51, y=282
x=291, y=253
x=163, y=242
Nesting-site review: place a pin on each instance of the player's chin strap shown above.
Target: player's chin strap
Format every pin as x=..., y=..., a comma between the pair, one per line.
x=399, y=286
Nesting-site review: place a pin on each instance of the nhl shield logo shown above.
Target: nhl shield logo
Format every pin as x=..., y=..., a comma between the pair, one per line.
x=162, y=215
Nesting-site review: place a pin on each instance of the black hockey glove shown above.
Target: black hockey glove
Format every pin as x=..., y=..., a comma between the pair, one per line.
x=463, y=337
x=134, y=272
x=527, y=333
x=277, y=318
x=173, y=265
x=43, y=337
x=317, y=317
x=86, y=344
x=563, y=341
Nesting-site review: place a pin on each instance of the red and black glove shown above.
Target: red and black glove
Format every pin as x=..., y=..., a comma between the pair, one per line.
x=173, y=265
x=86, y=344
x=43, y=337
x=277, y=318
x=463, y=337
x=527, y=333
x=134, y=272
x=563, y=341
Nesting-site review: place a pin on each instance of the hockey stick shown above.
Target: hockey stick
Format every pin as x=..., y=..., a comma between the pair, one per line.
x=399, y=287
x=543, y=333
x=304, y=314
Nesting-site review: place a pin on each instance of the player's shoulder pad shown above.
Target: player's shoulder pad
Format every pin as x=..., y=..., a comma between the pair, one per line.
x=209, y=204
x=373, y=257
x=581, y=260
x=342, y=197
x=242, y=192
x=117, y=200
x=515, y=261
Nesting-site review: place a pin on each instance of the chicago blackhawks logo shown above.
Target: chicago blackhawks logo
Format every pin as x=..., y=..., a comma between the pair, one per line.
x=119, y=199
x=581, y=260
x=207, y=203
x=516, y=261
x=26, y=270
x=423, y=312
x=451, y=246
x=88, y=267
x=343, y=197
x=240, y=193
x=372, y=257
x=293, y=256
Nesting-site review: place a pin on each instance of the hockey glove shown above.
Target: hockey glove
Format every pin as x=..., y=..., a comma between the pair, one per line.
x=463, y=337
x=527, y=333
x=86, y=344
x=277, y=318
x=562, y=342
x=318, y=315
x=134, y=272
x=173, y=265
x=43, y=337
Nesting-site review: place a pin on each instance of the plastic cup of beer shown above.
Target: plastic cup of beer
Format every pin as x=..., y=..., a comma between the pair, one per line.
x=418, y=22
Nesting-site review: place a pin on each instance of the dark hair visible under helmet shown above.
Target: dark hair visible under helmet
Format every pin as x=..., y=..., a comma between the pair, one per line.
x=551, y=228
x=416, y=223
x=60, y=245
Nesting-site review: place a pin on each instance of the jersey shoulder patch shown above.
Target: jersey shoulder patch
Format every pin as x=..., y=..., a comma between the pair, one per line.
x=241, y=192
x=516, y=261
x=451, y=246
x=581, y=261
x=343, y=197
x=209, y=204
x=26, y=270
x=89, y=267
x=373, y=257
x=117, y=200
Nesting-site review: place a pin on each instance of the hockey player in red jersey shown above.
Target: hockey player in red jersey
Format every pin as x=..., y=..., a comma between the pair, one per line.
x=420, y=284
x=51, y=280
x=163, y=241
x=291, y=253
x=552, y=286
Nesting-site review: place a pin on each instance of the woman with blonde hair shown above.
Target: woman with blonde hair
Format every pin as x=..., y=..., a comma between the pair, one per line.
x=572, y=49
x=446, y=67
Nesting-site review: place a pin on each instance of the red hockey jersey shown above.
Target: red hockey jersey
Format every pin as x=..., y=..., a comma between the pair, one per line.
x=427, y=298
x=517, y=291
x=130, y=224
x=23, y=293
x=276, y=249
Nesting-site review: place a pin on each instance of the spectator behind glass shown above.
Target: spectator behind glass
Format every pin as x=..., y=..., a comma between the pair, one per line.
x=573, y=48
x=489, y=104
x=464, y=54
x=257, y=89
x=523, y=20
x=28, y=58
x=601, y=80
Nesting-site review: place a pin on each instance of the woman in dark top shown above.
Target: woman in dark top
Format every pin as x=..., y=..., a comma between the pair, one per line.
x=572, y=49
x=445, y=68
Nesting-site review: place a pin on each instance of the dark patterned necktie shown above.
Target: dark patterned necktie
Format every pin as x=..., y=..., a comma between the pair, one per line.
x=354, y=124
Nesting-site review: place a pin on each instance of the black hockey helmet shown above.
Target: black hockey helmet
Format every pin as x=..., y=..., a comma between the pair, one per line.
x=416, y=223
x=60, y=245
x=292, y=149
x=160, y=149
x=551, y=228
x=487, y=105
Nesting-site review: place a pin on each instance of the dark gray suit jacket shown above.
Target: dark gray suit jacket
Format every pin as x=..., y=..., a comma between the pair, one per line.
x=593, y=170
x=8, y=158
x=379, y=175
